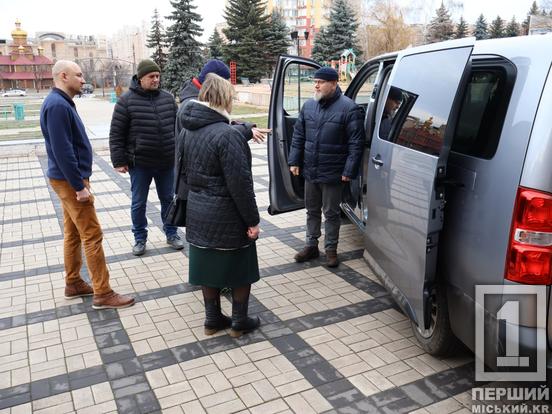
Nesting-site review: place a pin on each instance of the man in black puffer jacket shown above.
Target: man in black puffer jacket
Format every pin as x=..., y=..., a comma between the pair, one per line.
x=327, y=148
x=142, y=142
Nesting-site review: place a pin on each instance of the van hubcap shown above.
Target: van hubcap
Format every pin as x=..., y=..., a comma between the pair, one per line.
x=427, y=333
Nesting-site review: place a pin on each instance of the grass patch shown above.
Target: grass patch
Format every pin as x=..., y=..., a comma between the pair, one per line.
x=242, y=109
x=261, y=121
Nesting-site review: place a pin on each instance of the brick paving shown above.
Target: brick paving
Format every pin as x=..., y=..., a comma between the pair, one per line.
x=332, y=340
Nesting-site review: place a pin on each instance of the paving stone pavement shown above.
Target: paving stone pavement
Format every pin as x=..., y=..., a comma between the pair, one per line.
x=331, y=340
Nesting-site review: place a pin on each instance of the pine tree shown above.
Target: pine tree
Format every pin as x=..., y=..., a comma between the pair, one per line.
x=185, y=58
x=441, y=26
x=247, y=27
x=461, y=28
x=157, y=41
x=277, y=40
x=481, y=32
x=497, y=29
x=339, y=35
x=513, y=29
x=215, y=45
x=534, y=10
x=321, y=49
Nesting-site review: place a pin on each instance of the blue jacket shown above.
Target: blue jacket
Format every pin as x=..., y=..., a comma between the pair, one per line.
x=328, y=139
x=69, y=151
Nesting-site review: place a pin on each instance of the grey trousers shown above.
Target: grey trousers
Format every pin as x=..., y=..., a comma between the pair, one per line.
x=323, y=198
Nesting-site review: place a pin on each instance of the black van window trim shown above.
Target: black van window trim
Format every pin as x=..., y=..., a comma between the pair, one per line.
x=487, y=63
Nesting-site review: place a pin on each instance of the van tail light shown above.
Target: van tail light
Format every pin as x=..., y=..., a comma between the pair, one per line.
x=529, y=259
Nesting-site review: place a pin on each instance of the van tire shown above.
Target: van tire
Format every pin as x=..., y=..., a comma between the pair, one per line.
x=439, y=340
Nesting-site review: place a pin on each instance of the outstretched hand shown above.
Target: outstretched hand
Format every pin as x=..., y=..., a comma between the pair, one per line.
x=259, y=134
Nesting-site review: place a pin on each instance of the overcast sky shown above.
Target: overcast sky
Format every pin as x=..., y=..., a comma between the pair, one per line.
x=108, y=16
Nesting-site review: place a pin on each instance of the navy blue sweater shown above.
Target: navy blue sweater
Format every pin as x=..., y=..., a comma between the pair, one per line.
x=69, y=150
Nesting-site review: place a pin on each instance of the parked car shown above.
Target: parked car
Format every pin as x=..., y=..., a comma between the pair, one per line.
x=459, y=193
x=15, y=92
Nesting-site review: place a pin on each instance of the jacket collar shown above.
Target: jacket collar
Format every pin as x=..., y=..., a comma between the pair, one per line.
x=63, y=95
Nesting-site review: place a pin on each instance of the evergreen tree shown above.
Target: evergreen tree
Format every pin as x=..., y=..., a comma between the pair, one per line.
x=185, y=58
x=534, y=10
x=461, y=28
x=441, y=26
x=157, y=41
x=497, y=29
x=513, y=29
x=277, y=40
x=481, y=32
x=215, y=45
x=247, y=27
x=321, y=49
x=339, y=35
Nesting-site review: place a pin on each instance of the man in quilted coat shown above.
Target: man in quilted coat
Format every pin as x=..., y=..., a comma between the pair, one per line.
x=326, y=148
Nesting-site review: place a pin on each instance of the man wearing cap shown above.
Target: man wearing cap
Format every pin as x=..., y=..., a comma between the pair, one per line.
x=190, y=90
x=142, y=142
x=326, y=148
x=392, y=103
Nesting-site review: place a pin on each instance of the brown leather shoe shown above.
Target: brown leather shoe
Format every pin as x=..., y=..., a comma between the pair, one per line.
x=112, y=300
x=308, y=253
x=78, y=290
x=331, y=258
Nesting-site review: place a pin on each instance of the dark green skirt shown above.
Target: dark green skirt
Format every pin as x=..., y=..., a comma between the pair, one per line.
x=223, y=268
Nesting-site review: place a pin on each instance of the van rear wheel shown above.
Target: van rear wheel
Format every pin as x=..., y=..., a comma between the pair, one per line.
x=438, y=340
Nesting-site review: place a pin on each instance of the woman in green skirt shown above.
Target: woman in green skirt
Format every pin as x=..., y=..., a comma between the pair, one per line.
x=222, y=220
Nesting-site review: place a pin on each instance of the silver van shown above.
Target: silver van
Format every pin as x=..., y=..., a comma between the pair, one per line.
x=456, y=192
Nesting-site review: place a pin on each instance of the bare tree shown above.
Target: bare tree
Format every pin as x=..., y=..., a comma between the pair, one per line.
x=385, y=30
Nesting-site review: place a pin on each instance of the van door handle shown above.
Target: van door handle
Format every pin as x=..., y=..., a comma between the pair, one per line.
x=377, y=161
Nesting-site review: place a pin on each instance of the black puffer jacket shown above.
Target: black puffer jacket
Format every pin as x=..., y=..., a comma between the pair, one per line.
x=142, y=128
x=190, y=91
x=328, y=139
x=216, y=164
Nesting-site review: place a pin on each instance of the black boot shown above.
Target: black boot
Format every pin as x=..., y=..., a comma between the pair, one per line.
x=241, y=323
x=214, y=319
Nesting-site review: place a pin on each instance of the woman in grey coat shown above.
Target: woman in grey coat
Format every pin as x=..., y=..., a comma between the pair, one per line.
x=222, y=220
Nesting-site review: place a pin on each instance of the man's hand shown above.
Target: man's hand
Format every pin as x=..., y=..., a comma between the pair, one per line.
x=345, y=179
x=83, y=195
x=294, y=170
x=253, y=232
x=122, y=170
x=259, y=134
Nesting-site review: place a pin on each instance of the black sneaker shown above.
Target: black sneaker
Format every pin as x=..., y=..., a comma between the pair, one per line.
x=175, y=242
x=139, y=248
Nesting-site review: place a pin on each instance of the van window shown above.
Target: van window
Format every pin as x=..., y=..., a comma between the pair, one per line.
x=416, y=109
x=482, y=113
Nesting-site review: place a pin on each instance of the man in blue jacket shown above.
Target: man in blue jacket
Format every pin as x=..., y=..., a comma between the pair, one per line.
x=69, y=169
x=327, y=148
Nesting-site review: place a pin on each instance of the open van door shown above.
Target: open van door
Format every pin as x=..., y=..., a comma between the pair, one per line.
x=291, y=87
x=407, y=167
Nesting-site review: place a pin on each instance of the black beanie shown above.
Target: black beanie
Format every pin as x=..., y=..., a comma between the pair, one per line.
x=146, y=66
x=326, y=73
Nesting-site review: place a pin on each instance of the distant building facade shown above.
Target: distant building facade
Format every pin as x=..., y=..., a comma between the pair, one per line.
x=540, y=25
x=24, y=65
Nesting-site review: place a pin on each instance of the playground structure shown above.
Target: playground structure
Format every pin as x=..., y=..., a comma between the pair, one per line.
x=346, y=67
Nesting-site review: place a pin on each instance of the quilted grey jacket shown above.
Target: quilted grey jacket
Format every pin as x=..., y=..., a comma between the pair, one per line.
x=216, y=168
